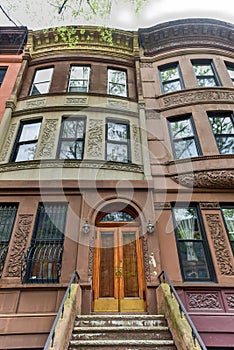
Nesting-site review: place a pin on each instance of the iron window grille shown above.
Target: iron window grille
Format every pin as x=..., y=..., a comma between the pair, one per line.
x=222, y=124
x=193, y=250
x=2, y=74
x=184, y=139
x=7, y=220
x=170, y=78
x=26, y=141
x=117, y=82
x=205, y=73
x=230, y=69
x=79, y=79
x=72, y=138
x=117, y=141
x=43, y=260
x=228, y=217
x=41, y=82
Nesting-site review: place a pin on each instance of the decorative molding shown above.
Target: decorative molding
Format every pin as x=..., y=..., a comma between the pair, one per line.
x=68, y=163
x=191, y=32
x=7, y=144
x=230, y=301
x=136, y=143
x=199, y=96
x=209, y=205
x=37, y=103
x=47, y=142
x=206, y=179
x=146, y=258
x=19, y=245
x=95, y=138
x=91, y=257
x=146, y=65
x=207, y=301
x=83, y=101
x=162, y=206
x=222, y=252
x=117, y=104
x=11, y=105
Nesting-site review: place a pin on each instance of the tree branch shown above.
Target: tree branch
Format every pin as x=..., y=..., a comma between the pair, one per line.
x=11, y=20
x=61, y=8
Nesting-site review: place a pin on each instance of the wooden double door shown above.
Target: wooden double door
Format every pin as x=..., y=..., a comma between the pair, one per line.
x=118, y=279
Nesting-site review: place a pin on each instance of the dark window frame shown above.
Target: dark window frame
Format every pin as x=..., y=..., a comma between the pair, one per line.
x=227, y=206
x=166, y=67
x=19, y=143
x=230, y=67
x=3, y=70
x=127, y=143
x=126, y=81
x=41, y=82
x=203, y=240
x=66, y=139
x=200, y=62
x=88, y=80
x=8, y=212
x=44, y=243
x=194, y=137
x=221, y=114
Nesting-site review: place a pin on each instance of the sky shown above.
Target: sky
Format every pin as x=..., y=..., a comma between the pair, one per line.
x=157, y=11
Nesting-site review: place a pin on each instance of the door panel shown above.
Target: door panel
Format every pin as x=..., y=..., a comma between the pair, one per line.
x=118, y=280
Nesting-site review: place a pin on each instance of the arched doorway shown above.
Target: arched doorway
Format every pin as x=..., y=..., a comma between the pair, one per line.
x=118, y=273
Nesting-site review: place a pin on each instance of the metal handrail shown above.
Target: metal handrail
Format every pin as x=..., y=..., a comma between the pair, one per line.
x=50, y=339
x=195, y=334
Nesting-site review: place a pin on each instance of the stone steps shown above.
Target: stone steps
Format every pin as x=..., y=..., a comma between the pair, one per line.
x=123, y=332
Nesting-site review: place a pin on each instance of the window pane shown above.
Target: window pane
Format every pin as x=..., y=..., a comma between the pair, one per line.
x=185, y=149
x=203, y=70
x=71, y=150
x=117, y=132
x=43, y=75
x=117, y=153
x=40, y=88
x=26, y=152
x=231, y=72
x=30, y=132
x=170, y=74
x=187, y=223
x=42, y=80
x=223, y=130
x=117, y=216
x=117, y=82
x=2, y=74
x=181, y=129
x=79, y=79
x=222, y=125
x=206, y=82
x=73, y=128
x=173, y=86
x=228, y=214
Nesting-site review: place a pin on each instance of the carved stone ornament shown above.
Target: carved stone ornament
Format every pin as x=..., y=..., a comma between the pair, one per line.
x=7, y=144
x=146, y=259
x=230, y=301
x=222, y=253
x=92, y=164
x=136, y=143
x=208, y=301
x=206, y=179
x=118, y=104
x=194, y=97
x=150, y=114
x=209, y=205
x=146, y=65
x=162, y=206
x=95, y=138
x=19, y=245
x=76, y=101
x=91, y=256
x=46, y=146
x=37, y=103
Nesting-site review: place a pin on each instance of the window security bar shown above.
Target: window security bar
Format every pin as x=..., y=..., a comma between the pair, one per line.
x=195, y=334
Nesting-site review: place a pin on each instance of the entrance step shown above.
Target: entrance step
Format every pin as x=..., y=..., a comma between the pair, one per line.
x=123, y=332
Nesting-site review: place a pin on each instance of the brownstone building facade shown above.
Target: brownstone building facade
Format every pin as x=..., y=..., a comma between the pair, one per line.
x=117, y=161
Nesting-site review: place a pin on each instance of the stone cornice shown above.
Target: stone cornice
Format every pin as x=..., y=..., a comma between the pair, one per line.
x=12, y=40
x=44, y=43
x=191, y=32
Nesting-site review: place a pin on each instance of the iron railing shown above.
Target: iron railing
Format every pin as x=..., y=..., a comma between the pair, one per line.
x=194, y=332
x=50, y=340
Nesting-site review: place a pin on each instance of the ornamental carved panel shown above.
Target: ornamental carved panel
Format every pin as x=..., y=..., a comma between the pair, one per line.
x=162, y=206
x=136, y=143
x=95, y=139
x=146, y=259
x=209, y=205
x=222, y=252
x=19, y=245
x=7, y=144
x=206, y=179
x=48, y=139
x=207, y=301
x=230, y=301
